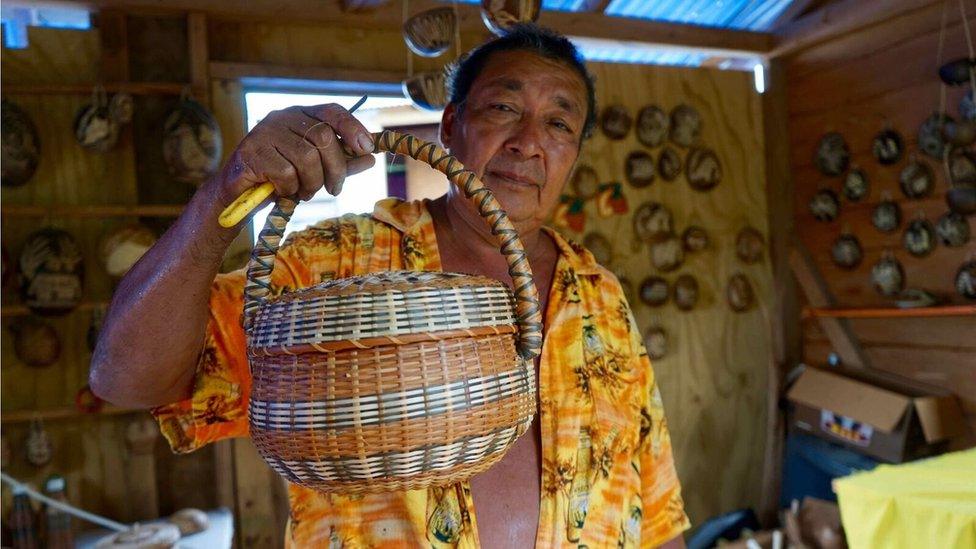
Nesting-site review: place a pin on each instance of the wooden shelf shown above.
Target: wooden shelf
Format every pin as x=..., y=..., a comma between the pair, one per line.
x=22, y=310
x=134, y=88
x=160, y=210
x=890, y=312
x=53, y=414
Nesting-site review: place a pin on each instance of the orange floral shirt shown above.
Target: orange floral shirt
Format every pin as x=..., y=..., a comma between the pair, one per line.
x=608, y=478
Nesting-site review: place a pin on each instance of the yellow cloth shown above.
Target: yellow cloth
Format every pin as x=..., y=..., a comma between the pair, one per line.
x=928, y=503
x=596, y=390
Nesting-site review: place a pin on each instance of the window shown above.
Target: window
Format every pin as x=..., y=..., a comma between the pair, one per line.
x=16, y=19
x=359, y=192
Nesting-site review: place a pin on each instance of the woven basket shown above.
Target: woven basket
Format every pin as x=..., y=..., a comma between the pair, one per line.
x=395, y=380
x=430, y=33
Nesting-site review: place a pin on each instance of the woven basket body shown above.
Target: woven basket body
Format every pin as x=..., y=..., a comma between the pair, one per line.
x=389, y=381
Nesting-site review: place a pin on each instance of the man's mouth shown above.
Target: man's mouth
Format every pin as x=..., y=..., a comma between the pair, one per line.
x=513, y=178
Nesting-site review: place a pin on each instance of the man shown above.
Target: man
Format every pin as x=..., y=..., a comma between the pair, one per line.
x=596, y=468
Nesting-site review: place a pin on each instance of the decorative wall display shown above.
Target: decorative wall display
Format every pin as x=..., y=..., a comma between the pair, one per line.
x=962, y=166
x=121, y=248
x=855, y=185
x=96, y=126
x=832, y=154
x=886, y=216
x=685, y=292
x=952, y=229
x=887, y=147
x=703, y=169
x=656, y=342
x=916, y=179
x=825, y=205
x=669, y=164
x=585, y=182
x=653, y=222
x=36, y=344
x=887, y=275
x=654, y=291
x=611, y=200
x=615, y=122
x=919, y=237
x=846, y=251
x=52, y=270
x=21, y=147
x=500, y=15
x=966, y=279
x=668, y=254
x=430, y=33
x=38, y=445
x=599, y=245
x=749, y=244
x=639, y=169
x=686, y=126
x=427, y=90
x=930, y=139
x=694, y=239
x=652, y=126
x=739, y=293
x=191, y=142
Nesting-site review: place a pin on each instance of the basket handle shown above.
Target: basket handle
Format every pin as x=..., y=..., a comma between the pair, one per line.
x=528, y=313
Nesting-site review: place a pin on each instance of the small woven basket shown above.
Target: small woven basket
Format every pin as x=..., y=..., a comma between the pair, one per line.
x=395, y=380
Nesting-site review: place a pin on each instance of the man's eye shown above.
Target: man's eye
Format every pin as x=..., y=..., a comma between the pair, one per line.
x=562, y=126
x=502, y=107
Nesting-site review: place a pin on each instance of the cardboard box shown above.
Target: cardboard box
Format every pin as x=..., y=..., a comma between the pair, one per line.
x=882, y=415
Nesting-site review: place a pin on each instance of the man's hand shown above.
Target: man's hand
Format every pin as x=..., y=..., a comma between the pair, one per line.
x=298, y=150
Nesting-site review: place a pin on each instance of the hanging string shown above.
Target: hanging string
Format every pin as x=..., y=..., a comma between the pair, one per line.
x=71, y=510
x=457, y=31
x=406, y=11
x=938, y=61
x=969, y=44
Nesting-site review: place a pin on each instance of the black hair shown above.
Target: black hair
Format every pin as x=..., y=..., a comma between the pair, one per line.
x=523, y=37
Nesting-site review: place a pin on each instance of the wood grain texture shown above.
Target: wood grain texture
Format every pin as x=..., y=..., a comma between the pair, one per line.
x=714, y=380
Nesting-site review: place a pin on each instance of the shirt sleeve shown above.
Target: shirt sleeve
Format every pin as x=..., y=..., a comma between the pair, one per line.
x=217, y=407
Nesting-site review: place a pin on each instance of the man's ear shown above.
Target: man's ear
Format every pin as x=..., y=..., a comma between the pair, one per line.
x=447, y=125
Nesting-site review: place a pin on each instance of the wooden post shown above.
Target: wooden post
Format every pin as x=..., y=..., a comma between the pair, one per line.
x=196, y=30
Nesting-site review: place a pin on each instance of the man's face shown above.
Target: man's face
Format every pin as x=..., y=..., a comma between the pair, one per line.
x=520, y=130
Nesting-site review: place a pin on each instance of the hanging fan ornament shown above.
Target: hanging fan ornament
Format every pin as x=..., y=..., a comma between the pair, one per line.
x=36, y=344
x=430, y=33
x=669, y=164
x=654, y=291
x=500, y=15
x=38, y=446
x=846, y=251
x=966, y=279
x=639, y=169
x=121, y=248
x=686, y=126
x=855, y=185
x=615, y=122
x=825, y=205
x=685, y=292
x=887, y=275
x=749, y=245
x=96, y=127
x=739, y=293
x=919, y=237
x=21, y=147
x=887, y=147
x=427, y=90
x=656, y=342
x=668, y=254
x=703, y=169
x=832, y=154
x=652, y=126
x=694, y=239
x=51, y=270
x=886, y=216
x=191, y=141
x=653, y=222
x=585, y=182
x=952, y=229
x=916, y=179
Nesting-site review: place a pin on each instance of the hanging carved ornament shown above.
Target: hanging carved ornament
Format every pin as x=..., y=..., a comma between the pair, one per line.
x=21, y=147
x=656, y=342
x=962, y=166
x=919, y=237
x=847, y=252
x=639, y=169
x=191, y=142
x=886, y=216
x=52, y=270
x=887, y=147
x=855, y=185
x=121, y=248
x=888, y=276
x=916, y=179
x=585, y=182
x=430, y=33
x=96, y=129
x=38, y=446
x=825, y=205
x=36, y=344
x=686, y=126
x=652, y=126
x=654, y=291
x=611, y=200
x=953, y=229
x=930, y=139
x=600, y=247
x=669, y=164
x=653, y=222
x=694, y=239
x=832, y=154
x=703, y=169
x=739, y=293
x=615, y=122
x=685, y=292
x=966, y=279
x=667, y=255
x=500, y=15
x=749, y=244
x=427, y=90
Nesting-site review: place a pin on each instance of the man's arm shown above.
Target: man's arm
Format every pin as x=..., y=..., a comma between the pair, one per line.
x=153, y=332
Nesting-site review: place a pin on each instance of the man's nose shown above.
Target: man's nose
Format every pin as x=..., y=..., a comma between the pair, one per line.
x=525, y=139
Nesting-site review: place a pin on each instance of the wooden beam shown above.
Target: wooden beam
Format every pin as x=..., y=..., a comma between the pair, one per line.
x=837, y=330
x=792, y=11
x=363, y=5
x=584, y=25
x=843, y=17
x=234, y=71
x=196, y=28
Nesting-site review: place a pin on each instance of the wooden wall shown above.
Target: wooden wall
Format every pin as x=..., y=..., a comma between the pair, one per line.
x=855, y=84
x=713, y=382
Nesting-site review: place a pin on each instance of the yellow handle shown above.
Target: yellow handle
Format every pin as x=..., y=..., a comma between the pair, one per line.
x=249, y=199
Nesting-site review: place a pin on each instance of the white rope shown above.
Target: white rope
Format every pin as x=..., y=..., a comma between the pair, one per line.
x=71, y=510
